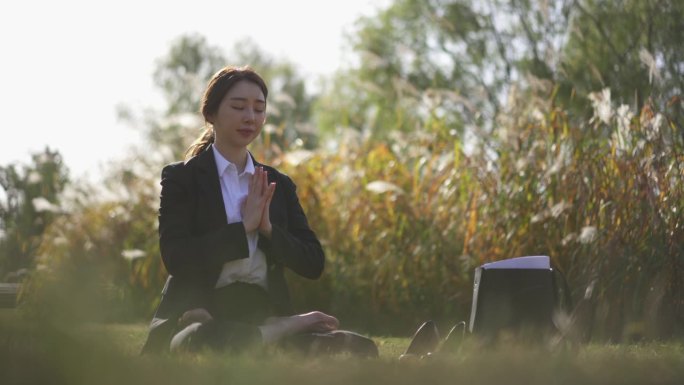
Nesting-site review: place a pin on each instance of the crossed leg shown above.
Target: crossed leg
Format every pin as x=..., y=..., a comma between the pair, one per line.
x=276, y=328
x=198, y=324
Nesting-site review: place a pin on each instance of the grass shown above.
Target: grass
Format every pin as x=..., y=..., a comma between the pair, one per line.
x=38, y=353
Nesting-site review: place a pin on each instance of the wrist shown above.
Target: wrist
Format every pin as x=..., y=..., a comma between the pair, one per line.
x=266, y=231
x=248, y=228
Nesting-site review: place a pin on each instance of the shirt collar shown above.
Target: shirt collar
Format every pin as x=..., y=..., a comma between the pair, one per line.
x=222, y=163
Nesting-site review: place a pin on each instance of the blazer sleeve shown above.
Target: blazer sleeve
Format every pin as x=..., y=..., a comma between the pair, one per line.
x=296, y=246
x=186, y=253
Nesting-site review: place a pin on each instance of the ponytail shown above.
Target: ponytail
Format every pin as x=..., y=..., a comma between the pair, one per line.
x=200, y=144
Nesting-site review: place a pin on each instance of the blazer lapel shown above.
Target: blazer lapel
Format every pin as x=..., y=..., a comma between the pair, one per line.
x=208, y=180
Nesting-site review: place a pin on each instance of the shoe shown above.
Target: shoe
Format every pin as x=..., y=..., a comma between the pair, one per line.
x=185, y=340
x=454, y=339
x=334, y=342
x=424, y=341
x=356, y=344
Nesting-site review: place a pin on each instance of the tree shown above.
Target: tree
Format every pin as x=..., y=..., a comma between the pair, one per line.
x=30, y=202
x=632, y=47
x=182, y=75
x=447, y=60
x=458, y=60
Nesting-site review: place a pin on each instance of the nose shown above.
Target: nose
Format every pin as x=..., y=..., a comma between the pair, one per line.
x=248, y=115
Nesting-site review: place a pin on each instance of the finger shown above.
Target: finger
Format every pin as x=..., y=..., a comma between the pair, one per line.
x=264, y=181
x=259, y=176
x=252, y=181
x=266, y=216
x=270, y=191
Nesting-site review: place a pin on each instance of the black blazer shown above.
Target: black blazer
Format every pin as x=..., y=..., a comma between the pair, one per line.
x=195, y=241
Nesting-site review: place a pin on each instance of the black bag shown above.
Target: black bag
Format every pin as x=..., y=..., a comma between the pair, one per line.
x=516, y=295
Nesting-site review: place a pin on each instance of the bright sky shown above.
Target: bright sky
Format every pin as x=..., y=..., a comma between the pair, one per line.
x=67, y=64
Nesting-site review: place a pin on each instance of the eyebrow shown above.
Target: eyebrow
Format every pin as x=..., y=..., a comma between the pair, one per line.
x=240, y=99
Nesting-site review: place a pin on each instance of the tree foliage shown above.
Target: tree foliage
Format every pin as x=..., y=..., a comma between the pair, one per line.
x=30, y=202
x=182, y=75
x=630, y=46
x=458, y=60
x=451, y=60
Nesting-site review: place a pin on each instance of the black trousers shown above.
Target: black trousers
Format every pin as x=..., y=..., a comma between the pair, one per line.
x=240, y=308
x=237, y=310
x=241, y=302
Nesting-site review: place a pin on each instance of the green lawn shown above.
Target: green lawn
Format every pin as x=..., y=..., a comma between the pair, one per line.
x=128, y=338
x=32, y=353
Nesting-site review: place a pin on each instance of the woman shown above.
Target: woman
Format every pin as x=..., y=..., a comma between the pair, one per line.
x=228, y=227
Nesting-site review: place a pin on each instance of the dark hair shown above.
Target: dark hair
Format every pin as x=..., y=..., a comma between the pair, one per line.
x=218, y=86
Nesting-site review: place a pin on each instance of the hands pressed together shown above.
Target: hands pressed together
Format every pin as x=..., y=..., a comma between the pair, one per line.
x=255, y=208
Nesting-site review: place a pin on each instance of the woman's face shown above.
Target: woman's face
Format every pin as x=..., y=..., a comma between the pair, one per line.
x=240, y=116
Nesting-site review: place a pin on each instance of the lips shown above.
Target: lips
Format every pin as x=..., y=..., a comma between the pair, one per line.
x=246, y=132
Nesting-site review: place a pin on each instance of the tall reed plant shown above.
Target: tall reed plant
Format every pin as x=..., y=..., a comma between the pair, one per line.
x=405, y=221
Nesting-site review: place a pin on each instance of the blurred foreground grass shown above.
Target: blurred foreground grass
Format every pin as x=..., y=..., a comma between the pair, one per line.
x=43, y=353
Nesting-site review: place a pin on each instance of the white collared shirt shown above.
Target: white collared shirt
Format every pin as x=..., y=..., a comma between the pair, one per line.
x=234, y=189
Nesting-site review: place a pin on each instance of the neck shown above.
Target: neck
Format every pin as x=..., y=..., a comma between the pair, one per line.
x=236, y=156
